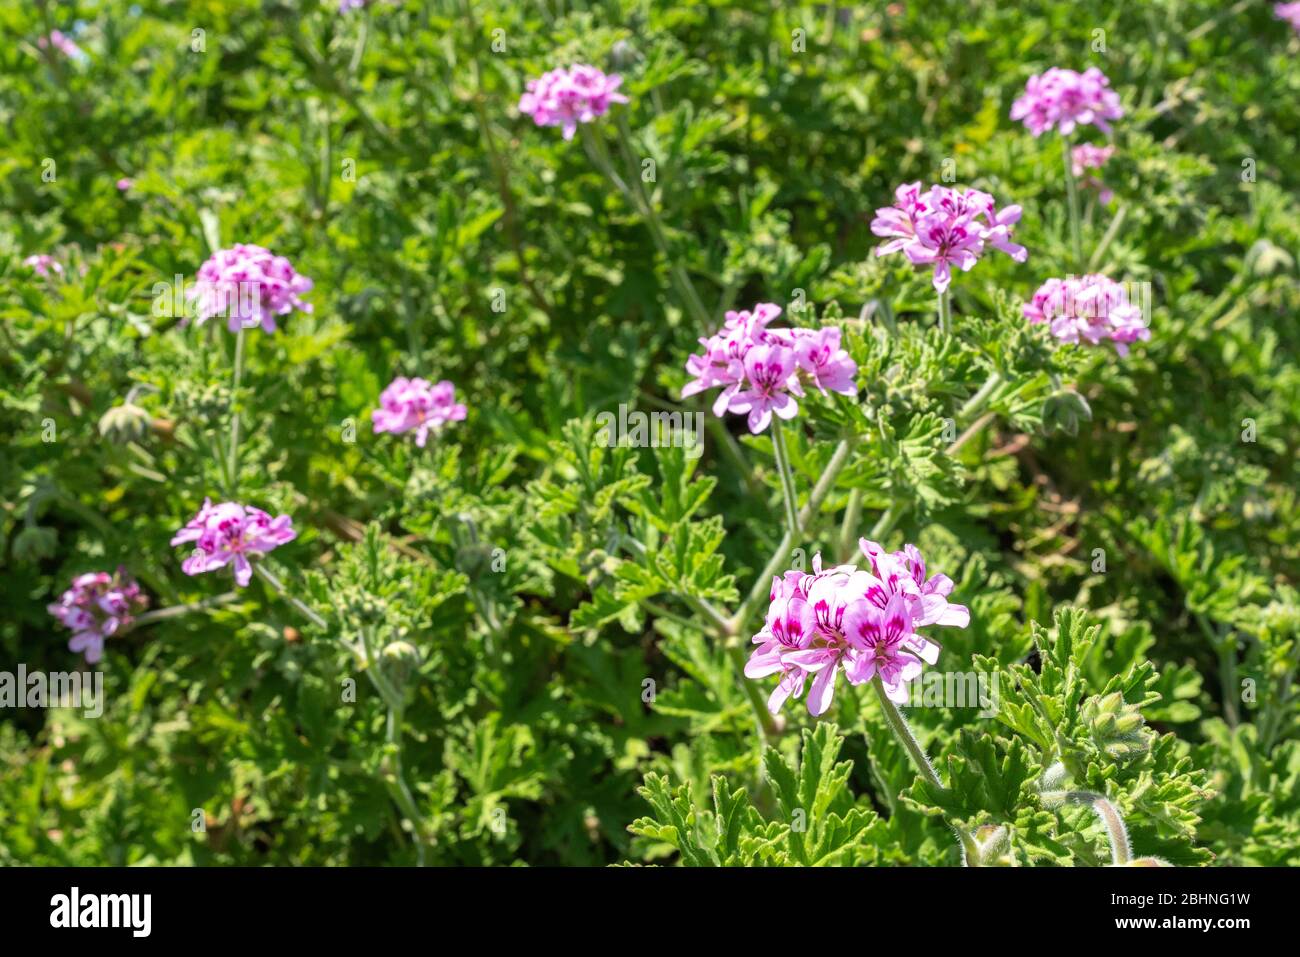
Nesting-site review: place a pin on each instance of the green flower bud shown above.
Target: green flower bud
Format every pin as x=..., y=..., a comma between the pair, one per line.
x=1116, y=727
x=399, y=660
x=125, y=423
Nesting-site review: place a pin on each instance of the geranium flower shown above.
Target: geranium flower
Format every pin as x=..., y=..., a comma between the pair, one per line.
x=944, y=227
x=1290, y=12
x=856, y=621
x=566, y=98
x=249, y=285
x=1090, y=309
x=97, y=606
x=415, y=404
x=1063, y=99
x=759, y=368
x=230, y=534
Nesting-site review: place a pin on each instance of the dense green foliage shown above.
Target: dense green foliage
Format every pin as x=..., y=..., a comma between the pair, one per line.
x=569, y=699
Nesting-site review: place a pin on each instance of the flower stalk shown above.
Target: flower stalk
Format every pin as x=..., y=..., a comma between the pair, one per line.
x=903, y=732
x=783, y=469
x=1072, y=194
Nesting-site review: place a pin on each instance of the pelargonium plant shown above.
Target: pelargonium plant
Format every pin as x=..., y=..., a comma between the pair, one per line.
x=1062, y=100
x=97, y=606
x=762, y=370
x=1091, y=309
x=859, y=621
x=566, y=97
x=249, y=285
x=944, y=227
x=417, y=405
x=231, y=534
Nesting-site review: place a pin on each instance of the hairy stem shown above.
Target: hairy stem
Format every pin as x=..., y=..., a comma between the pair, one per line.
x=1121, y=852
x=903, y=732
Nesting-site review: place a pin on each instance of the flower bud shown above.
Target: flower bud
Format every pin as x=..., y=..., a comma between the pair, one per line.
x=399, y=659
x=1116, y=727
x=125, y=423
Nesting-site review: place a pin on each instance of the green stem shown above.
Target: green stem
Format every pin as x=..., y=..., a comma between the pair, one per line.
x=1095, y=260
x=945, y=313
x=976, y=403
x=359, y=51
x=238, y=375
x=787, y=478
x=176, y=611
x=686, y=289
x=1072, y=191
x=398, y=787
x=849, y=528
x=763, y=719
x=885, y=524
x=839, y=458
x=903, y=732
x=278, y=586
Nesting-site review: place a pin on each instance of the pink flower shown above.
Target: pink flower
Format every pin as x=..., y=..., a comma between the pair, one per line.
x=415, y=404
x=943, y=227
x=770, y=371
x=566, y=98
x=760, y=368
x=44, y=265
x=96, y=606
x=859, y=622
x=1086, y=156
x=1290, y=12
x=1063, y=99
x=249, y=285
x=230, y=533
x=63, y=43
x=1090, y=309
x=125, y=183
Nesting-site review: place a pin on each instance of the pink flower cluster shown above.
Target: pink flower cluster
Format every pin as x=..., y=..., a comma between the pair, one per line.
x=943, y=227
x=63, y=43
x=566, y=98
x=860, y=621
x=1089, y=309
x=1086, y=156
x=249, y=285
x=416, y=404
x=1063, y=99
x=96, y=606
x=230, y=533
x=44, y=265
x=1290, y=12
x=761, y=368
